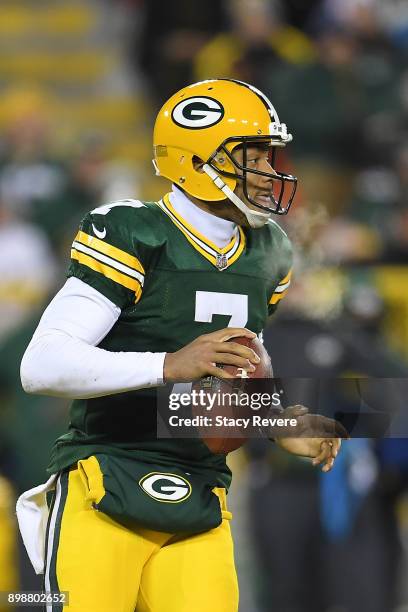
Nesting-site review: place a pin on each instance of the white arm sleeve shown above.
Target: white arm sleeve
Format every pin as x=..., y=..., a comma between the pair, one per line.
x=62, y=358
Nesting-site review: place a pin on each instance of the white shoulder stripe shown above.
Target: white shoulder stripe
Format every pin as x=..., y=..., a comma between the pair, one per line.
x=106, y=208
x=281, y=288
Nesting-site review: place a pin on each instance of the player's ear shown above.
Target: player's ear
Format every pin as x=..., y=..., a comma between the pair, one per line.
x=198, y=164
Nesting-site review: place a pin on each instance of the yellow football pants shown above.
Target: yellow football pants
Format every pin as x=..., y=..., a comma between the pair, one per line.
x=108, y=568
x=8, y=540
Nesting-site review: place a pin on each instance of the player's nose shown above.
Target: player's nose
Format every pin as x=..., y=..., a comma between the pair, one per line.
x=266, y=167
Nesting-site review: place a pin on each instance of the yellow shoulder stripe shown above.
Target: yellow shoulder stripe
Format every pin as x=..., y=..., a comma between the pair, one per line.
x=286, y=279
x=108, y=249
x=281, y=289
x=130, y=283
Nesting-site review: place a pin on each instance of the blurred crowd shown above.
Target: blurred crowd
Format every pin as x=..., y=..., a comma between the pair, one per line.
x=337, y=72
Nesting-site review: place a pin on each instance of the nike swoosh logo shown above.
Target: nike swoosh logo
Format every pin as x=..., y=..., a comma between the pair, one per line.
x=99, y=234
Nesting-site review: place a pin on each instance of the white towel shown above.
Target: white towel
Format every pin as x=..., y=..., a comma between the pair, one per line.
x=32, y=515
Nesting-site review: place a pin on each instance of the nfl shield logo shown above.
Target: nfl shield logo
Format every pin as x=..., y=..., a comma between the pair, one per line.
x=222, y=261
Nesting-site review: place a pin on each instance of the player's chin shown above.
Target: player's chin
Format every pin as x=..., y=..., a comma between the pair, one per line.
x=260, y=203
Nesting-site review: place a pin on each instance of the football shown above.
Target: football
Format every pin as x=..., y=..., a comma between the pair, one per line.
x=264, y=367
x=227, y=436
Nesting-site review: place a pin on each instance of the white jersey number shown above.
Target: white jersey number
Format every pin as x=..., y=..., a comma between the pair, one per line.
x=209, y=303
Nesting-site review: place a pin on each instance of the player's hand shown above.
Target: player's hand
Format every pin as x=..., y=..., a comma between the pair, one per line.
x=314, y=436
x=199, y=358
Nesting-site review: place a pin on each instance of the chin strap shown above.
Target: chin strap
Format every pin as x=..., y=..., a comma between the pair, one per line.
x=254, y=218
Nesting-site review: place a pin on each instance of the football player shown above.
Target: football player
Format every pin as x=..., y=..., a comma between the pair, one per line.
x=154, y=291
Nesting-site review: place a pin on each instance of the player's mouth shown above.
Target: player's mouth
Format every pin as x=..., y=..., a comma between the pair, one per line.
x=264, y=199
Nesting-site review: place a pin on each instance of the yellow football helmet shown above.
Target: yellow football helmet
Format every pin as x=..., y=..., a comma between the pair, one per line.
x=207, y=121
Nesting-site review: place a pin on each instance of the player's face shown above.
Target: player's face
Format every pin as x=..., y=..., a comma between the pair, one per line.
x=259, y=187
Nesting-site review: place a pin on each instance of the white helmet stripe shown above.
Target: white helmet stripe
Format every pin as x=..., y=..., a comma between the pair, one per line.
x=265, y=100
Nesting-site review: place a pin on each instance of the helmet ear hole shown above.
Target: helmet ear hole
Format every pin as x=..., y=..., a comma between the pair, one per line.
x=198, y=164
x=223, y=163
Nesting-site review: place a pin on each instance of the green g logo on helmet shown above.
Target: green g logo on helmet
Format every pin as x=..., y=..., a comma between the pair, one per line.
x=198, y=113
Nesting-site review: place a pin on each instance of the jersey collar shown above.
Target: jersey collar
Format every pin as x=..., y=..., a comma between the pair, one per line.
x=186, y=216
x=216, y=230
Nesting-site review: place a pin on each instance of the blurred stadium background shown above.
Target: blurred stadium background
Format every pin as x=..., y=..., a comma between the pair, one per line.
x=80, y=83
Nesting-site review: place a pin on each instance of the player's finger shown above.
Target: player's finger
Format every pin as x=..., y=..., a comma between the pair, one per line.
x=237, y=349
x=336, y=444
x=328, y=465
x=325, y=453
x=222, y=335
x=235, y=360
x=329, y=462
x=213, y=370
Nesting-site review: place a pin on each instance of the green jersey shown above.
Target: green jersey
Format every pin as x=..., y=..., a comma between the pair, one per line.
x=172, y=285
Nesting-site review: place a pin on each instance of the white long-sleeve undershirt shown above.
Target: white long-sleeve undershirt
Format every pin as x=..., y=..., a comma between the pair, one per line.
x=63, y=359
